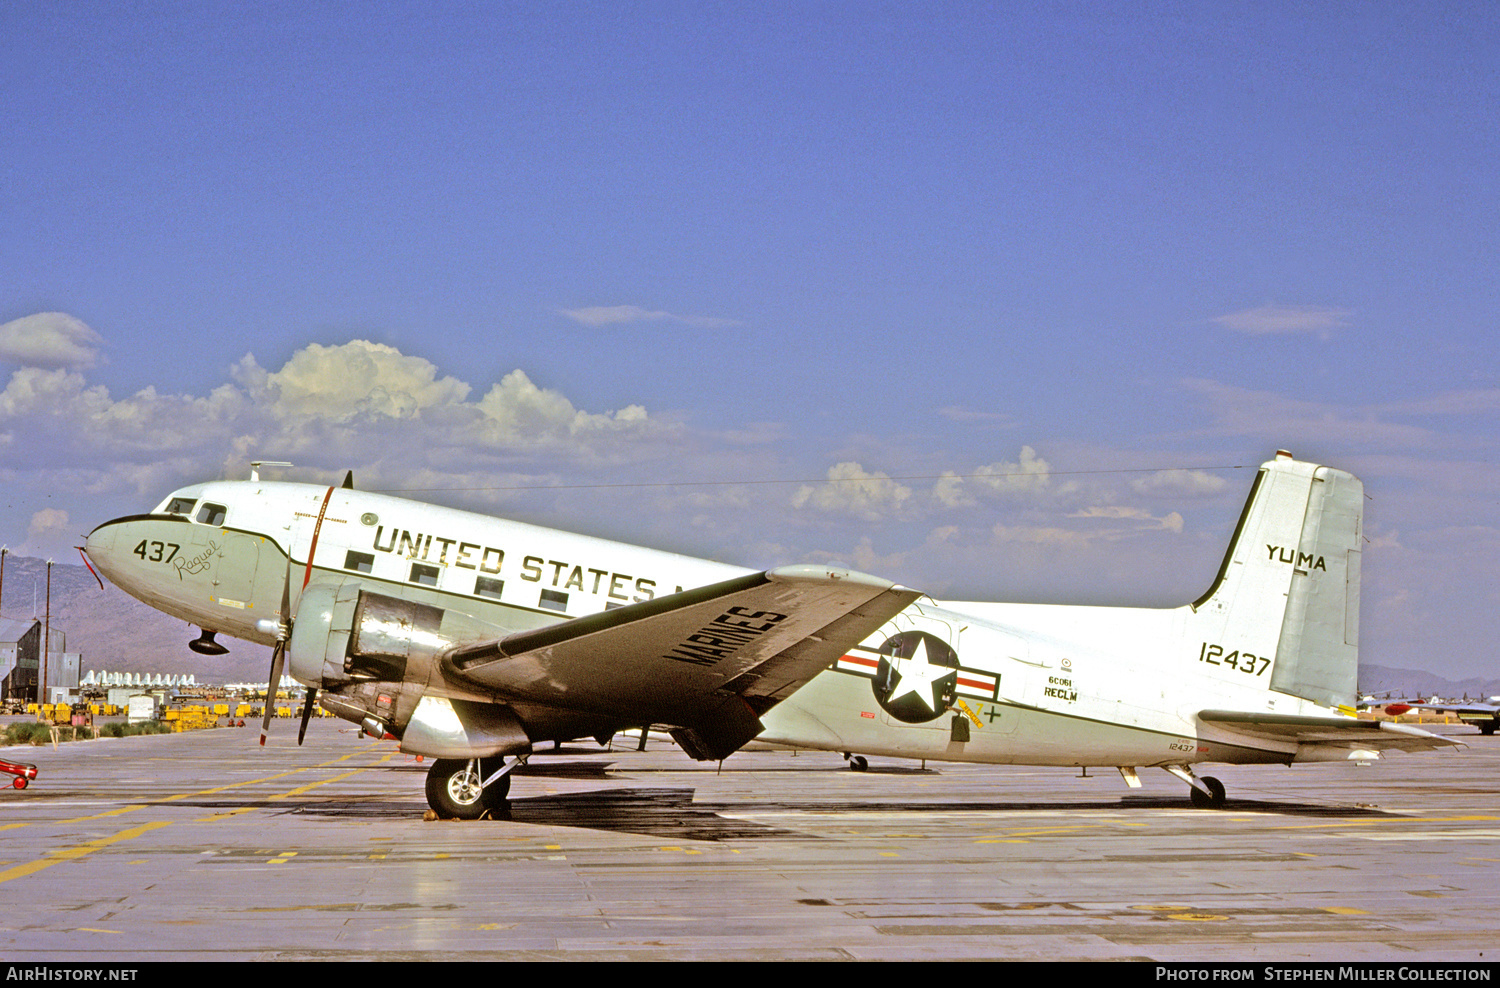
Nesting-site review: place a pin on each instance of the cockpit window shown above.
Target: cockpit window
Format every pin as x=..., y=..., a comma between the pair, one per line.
x=212, y=514
x=181, y=505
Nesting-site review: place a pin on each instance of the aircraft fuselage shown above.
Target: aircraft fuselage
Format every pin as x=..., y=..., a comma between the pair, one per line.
x=1032, y=684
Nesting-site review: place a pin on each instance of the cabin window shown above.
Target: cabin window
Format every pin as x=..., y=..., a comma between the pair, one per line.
x=360, y=562
x=181, y=506
x=554, y=600
x=486, y=587
x=427, y=576
x=212, y=514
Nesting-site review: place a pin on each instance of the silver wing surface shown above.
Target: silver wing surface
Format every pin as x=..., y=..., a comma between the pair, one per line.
x=706, y=662
x=1475, y=711
x=1334, y=732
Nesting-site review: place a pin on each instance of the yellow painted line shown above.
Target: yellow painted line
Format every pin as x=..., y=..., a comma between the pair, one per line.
x=1344, y=911
x=313, y=785
x=53, y=857
x=79, y=819
x=107, y=813
x=272, y=778
x=1404, y=819
x=1020, y=836
x=82, y=850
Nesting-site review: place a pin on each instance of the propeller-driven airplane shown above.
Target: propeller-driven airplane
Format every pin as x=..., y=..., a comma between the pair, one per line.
x=1483, y=714
x=471, y=639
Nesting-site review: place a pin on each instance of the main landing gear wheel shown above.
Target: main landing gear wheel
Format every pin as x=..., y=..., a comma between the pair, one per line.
x=454, y=787
x=1205, y=801
x=857, y=763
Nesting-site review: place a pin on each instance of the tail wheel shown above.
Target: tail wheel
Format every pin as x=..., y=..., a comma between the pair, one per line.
x=454, y=787
x=1211, y=800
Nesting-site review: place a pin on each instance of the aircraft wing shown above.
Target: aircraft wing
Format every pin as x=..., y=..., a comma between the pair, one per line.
x=1337, y=732
x=706, y=661
x=1474, y=711
x=1485, y=716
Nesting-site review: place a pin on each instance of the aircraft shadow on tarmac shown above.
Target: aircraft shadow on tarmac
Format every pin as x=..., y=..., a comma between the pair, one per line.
x=666, y=813
x=674, y=815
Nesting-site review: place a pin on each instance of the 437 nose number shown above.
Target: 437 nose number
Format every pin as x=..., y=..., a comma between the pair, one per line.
x=156, y=552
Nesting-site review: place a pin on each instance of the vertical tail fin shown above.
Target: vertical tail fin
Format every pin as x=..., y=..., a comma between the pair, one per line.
x=1288, y=589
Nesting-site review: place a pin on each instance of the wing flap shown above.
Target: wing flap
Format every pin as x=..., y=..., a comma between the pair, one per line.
x=1335, y=732
x=708, y=660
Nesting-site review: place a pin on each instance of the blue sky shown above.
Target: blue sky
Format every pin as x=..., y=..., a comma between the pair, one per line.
x=1120, y=249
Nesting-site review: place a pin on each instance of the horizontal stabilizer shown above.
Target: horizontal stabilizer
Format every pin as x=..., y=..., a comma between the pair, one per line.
x=1334, y=732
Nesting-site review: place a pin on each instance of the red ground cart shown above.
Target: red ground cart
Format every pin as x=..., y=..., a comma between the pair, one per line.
x=23, y=772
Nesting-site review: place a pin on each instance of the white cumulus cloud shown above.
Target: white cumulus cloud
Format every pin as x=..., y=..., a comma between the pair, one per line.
x=854, y=490
x=1030, y=474
x=358, y=378
x=47, y=522
x=1179, y=482
x=356, y=405
x=51, y=340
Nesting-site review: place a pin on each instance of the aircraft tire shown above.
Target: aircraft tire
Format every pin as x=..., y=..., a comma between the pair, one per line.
x=1487, y=729
x=453, y=791
x=1203, y=800
x=858, y=763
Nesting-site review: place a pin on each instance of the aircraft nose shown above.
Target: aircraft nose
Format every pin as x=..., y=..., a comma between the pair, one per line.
x=100, y=548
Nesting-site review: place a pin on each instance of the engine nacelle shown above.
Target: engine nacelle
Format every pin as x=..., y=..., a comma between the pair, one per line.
x=376, y=656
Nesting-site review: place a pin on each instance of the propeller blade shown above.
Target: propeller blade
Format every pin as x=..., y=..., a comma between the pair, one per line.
x=278, y=656
x=307, y=709
x=286, y=594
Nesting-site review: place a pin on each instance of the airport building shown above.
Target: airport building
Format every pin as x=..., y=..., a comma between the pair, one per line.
x=21, y=644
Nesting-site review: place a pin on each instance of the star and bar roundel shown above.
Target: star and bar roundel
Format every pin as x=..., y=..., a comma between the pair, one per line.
x=916, y=676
